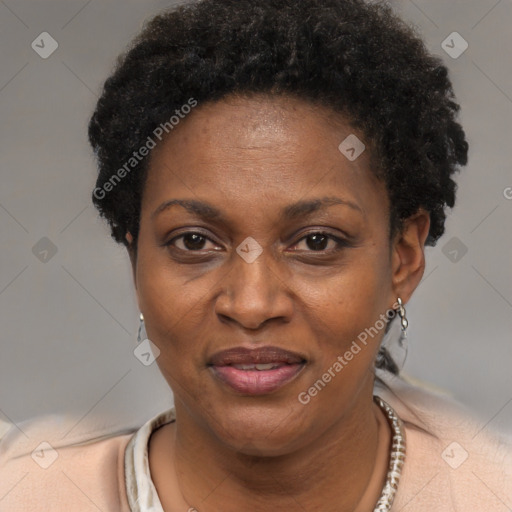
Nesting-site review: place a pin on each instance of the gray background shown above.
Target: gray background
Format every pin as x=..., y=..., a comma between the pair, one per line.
x=68, y=324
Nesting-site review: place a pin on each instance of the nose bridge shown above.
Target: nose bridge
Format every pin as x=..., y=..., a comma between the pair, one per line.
x=251, y=276
x=252, y=291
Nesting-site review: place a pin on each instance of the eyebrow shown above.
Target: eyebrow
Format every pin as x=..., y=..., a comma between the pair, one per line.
x=299, y=209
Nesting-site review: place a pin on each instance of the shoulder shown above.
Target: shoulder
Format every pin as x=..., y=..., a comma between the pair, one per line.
x=454, y=461
x=73, y=469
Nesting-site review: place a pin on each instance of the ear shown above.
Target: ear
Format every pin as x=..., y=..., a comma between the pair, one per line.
x=133, y=257
x=408, y=254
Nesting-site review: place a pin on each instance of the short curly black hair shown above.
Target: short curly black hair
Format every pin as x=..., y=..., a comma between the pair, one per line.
x=355, y=57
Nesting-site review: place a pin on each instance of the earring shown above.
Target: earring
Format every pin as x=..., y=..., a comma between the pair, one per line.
x=403, y=318
x=141, y=325
x=403, y=323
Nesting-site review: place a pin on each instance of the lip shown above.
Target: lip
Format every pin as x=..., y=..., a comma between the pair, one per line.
x=252, y=381
x=260, y=355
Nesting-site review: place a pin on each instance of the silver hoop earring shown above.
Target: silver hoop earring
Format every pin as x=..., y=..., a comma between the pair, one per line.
x=141, y=326
x=403, y=319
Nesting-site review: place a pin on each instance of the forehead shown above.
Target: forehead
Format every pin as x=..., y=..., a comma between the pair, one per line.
x=243, y=151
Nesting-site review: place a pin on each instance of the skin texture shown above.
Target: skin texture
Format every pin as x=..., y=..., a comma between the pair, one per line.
x=250, y=157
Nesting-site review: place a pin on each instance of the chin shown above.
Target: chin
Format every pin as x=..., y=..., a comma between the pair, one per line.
x=263, y=430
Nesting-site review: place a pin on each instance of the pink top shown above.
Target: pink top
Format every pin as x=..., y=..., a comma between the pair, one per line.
x=453, y=462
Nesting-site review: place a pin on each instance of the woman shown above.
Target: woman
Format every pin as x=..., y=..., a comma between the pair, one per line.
x=275, y=171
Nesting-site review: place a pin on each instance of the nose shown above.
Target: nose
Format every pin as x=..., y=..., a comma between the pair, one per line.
x=254, y=293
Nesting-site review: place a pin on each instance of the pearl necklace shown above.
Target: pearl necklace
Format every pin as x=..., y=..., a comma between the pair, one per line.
x=396, y=458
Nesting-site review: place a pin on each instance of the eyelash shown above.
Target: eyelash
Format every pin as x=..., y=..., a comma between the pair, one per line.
x=340, y=243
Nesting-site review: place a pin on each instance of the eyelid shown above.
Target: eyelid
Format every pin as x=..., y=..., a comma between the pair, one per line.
x=324, y=231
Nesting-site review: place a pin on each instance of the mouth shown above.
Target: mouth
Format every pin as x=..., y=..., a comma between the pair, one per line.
x=256, y=371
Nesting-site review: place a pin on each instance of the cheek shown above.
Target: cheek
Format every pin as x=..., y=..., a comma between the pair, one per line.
x=347, y=320
x=167, y=305
x=172, y=325
x=349, y=305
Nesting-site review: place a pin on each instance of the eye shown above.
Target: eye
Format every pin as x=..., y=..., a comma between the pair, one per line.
x=318, y=241
x=191, y=241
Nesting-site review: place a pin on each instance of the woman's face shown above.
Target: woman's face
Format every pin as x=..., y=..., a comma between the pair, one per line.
x=285, y=244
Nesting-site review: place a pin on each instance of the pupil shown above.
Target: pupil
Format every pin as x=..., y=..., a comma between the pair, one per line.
x=193, y=241
x=316, y=244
